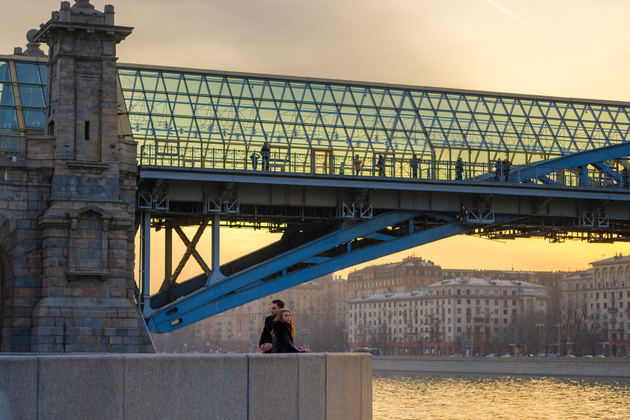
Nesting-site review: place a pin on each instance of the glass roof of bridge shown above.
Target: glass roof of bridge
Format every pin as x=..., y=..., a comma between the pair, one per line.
x=240, y=111
x=236, y=111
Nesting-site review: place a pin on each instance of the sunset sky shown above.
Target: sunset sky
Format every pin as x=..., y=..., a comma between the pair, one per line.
x=576, y=48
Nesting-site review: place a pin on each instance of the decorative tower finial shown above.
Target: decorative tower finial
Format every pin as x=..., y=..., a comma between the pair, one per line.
x=32, y=48
x=83, y=4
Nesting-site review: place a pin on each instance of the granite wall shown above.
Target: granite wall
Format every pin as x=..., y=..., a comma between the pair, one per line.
x=317, y=386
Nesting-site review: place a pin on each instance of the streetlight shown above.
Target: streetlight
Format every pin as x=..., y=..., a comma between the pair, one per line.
x=558, y=325
x=304, y=331
x=470, y=344
x=540, y=326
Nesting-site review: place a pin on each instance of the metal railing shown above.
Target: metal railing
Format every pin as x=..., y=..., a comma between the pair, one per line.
x=12, y=144
x=174, y=155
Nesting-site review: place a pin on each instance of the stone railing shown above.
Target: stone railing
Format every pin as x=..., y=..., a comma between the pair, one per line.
x=165, y=386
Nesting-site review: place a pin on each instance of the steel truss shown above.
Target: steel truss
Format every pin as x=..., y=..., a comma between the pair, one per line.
x=354, y=243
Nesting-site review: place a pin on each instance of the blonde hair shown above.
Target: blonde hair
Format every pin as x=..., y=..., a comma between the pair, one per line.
x=279, y=318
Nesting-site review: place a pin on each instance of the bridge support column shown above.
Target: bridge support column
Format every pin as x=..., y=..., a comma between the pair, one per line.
x=87, y=222
x=216, y=247
x=144, y=283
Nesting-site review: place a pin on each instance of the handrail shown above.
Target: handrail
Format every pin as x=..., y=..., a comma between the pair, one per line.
x=175, y=155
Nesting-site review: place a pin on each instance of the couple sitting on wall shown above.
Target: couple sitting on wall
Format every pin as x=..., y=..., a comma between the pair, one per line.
x=278, y=332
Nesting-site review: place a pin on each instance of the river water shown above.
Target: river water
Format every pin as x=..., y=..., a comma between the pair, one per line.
x=419, y=396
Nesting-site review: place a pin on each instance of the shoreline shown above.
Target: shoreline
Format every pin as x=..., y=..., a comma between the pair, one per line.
x=603, y=368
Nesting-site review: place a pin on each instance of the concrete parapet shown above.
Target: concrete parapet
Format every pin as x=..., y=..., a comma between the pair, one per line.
x=18, y=387
x=153, y=386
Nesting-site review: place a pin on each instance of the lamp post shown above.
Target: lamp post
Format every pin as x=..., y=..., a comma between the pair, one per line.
x=559, y=325
x=304, y=331
x=540, y=326
x=471, y=342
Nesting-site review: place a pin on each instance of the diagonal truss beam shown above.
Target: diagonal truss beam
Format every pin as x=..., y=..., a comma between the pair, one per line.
x=190, y=250
x=251, y=284
x=573, y=160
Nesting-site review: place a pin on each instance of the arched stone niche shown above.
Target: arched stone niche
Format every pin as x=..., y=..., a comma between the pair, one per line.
x=88, y=243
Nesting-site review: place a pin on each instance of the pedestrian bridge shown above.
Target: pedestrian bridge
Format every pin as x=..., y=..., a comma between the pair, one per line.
x=531, y=167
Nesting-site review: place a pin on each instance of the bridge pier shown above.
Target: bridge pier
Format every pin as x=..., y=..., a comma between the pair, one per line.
x=72, y=252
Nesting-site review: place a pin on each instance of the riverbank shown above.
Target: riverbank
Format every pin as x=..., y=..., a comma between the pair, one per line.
x=606, y=368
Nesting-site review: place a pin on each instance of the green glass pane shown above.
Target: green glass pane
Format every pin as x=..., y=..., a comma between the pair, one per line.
x=194, y=83
x=159, y=105
x=387, y=100
x=362, y=97
x=173, y=82
x=341, y=95
x=267, y=94
x=328, y=97
x=215, y=86
x=553, y=112
x=237, y=86
x=480, y=106
x=181, y=108
x=150, y=82
x=404, y=101
x=317, y=91
x=442, y=103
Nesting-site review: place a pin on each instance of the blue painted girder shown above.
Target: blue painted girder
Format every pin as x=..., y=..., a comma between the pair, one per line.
x=539, y=170
x=247, y=286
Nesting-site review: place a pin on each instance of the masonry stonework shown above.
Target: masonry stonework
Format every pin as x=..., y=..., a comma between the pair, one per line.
x=67, y=220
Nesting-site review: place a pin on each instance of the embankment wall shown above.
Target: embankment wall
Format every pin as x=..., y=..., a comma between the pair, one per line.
x=314, y=386
x=610, y=367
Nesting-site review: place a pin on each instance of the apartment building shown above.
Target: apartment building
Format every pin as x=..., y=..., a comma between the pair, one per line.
x=609, y=304
x=410, y=273
x=436, y=319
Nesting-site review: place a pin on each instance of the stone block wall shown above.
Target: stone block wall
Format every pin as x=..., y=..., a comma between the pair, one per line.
x=326, y=386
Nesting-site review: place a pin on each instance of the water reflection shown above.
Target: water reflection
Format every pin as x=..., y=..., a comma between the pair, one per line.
x=498, y=397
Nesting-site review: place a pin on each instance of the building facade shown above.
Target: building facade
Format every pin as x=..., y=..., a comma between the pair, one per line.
x=609, y=305
x=408, y=274
x=444, y=317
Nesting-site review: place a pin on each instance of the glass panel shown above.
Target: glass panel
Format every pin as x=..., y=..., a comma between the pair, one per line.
x=8, y=119
x=28, y=73
x=4, y=71
x=32, y=96
x=35, y=119
x=6, y=94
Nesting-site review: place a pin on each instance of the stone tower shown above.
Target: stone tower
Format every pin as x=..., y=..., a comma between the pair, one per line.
x=87, y=225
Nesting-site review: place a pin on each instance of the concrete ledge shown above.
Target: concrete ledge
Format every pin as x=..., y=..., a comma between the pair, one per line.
x=609, y=368
x=315, y=386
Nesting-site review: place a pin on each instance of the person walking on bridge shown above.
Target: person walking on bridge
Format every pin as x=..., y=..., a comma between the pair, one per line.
x=497, y=170
x=413, y=164
x=459, y=169
x=380, y=164
x=264, y=152
x=266, y=338
x=506, y=166
x=357, y=164
x=254, y=158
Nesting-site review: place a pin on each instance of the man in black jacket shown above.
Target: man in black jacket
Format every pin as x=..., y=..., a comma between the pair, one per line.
x=266, y=338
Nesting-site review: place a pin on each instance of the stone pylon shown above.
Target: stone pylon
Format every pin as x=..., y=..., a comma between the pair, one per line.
x=87, y=226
